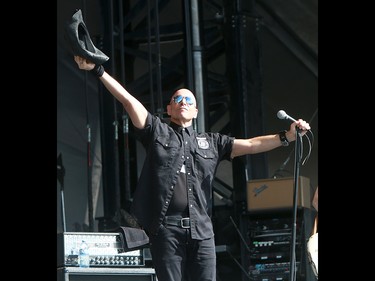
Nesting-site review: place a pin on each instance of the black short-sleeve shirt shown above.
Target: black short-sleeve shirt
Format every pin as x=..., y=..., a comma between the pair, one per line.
x=166, y=152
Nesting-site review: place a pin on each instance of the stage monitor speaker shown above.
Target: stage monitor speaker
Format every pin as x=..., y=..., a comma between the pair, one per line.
x=273, y=194
x=105, y=274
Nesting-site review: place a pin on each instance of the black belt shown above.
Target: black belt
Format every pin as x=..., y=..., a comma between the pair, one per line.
x=177, y=221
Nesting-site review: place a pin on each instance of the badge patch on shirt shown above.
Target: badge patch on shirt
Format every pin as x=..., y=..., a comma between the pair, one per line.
x=203, y=143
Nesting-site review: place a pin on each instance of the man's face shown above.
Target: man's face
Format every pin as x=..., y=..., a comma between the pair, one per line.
x=182, y=107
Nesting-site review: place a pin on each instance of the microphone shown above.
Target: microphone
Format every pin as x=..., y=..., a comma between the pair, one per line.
x=281, y=114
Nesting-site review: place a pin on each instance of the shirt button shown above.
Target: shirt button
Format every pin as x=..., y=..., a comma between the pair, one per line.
x=191, y=205
x=166, y=202
x=185, y=142
x=187, y=157
x=172, y=187
x=182, y=156
x=188, y=173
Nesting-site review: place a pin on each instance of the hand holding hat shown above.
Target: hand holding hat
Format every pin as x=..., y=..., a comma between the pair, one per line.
x=86, y=64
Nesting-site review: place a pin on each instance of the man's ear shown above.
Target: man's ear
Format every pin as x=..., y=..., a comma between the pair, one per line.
x=196, y=114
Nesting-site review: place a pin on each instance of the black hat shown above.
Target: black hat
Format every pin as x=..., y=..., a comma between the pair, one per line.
x=80, y=42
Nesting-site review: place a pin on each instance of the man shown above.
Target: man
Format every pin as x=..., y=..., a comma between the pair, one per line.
x=173, y=195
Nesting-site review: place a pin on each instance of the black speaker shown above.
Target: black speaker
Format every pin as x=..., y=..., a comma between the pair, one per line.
x=105, y=274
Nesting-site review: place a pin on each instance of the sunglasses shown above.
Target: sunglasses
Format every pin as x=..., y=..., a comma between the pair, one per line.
x=178, y=99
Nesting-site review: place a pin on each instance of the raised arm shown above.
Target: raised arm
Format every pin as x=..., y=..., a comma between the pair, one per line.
x=267, y=142
x=137, y=112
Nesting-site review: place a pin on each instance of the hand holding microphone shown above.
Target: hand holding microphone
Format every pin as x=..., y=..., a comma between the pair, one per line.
x=298, y=126
x=301, y=124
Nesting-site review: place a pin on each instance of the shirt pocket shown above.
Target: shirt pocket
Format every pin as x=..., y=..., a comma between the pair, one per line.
x=165, y=150
x=205, y=162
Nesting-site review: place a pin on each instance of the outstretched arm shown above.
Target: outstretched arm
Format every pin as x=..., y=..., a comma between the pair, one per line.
x=137, y=112
x=267, y=142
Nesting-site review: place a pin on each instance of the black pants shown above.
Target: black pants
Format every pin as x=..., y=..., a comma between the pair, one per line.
x=177, y=257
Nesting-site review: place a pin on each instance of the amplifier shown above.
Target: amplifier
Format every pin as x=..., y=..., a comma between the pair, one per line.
x=107, y=274
x=271, y=194
x=277, y=267
x=105, y=250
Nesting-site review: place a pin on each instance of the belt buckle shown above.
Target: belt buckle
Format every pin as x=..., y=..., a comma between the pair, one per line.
x=182, y=222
